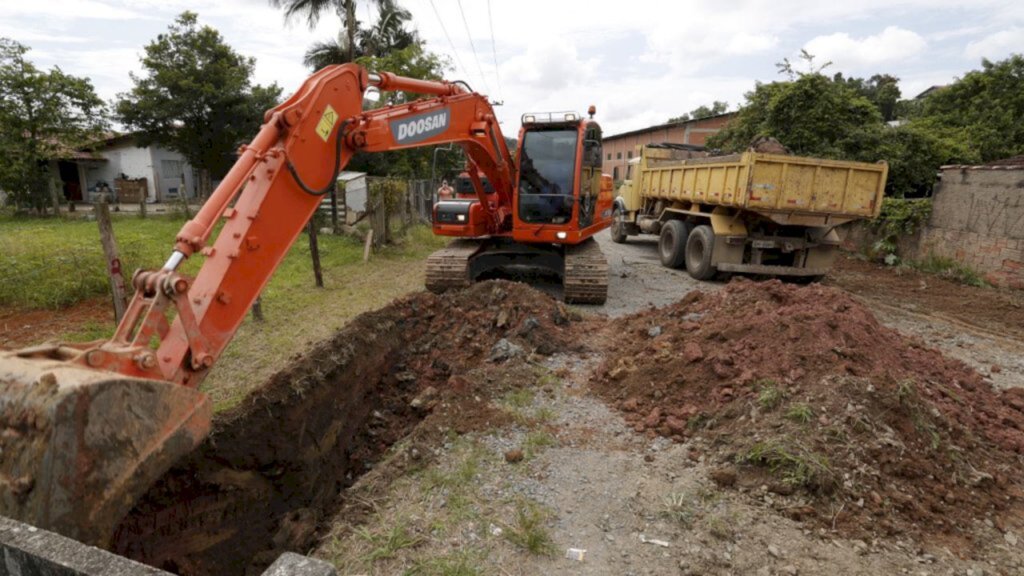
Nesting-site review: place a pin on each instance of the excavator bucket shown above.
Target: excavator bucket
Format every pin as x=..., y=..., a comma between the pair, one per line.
x=79, y=446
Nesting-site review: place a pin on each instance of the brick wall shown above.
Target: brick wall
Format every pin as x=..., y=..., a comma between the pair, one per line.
x=978, y=220
x=617, y=149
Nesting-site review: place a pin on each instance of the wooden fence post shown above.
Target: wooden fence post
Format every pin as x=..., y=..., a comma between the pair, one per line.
x=117, y=288
x=55, y=196
x=257, y=309
x=184, y=203
x=334, y=207
x=142, y=206
x=314, y=250
x=367, y=245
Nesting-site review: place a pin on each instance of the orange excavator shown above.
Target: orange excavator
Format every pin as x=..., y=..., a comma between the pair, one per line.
x=86, y=428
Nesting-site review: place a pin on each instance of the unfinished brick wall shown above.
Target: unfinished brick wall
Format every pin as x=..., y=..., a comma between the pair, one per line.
x=978, y=220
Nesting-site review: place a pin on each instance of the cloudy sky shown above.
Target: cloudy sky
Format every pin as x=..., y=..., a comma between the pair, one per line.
x=640, y=62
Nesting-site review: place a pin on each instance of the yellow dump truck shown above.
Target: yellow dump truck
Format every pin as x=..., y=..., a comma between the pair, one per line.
x=755, y=213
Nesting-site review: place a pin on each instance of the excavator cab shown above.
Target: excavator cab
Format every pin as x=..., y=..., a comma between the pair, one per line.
x=558, y=200
x=560, y=194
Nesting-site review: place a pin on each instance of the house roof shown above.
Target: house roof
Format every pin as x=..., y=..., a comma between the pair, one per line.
x=664, y=126
x=110, y=139
x=929, y=90
x=83, y=155
x=1011, y=163
x=346, y=176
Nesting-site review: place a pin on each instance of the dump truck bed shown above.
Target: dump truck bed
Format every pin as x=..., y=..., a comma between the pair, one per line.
x=785, y=188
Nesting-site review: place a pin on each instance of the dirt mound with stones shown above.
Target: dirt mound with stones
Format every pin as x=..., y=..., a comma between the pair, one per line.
x=277, y=466
x=798, y=396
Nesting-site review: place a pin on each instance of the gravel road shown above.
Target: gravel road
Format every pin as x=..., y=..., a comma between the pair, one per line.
x=637, y=278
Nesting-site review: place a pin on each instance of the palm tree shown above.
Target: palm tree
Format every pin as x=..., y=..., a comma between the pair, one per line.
x=389, y=33
x=312, y=9
x=335, y=51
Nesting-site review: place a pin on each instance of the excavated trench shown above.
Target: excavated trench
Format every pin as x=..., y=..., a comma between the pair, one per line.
x=276, y=466
x=275, y=470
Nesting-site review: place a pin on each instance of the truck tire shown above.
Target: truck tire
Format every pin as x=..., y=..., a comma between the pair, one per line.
x=618, y=226
x=672, y=243
x=699, y=246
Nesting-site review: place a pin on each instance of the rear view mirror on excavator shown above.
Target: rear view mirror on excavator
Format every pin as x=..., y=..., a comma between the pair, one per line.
x=86, y=428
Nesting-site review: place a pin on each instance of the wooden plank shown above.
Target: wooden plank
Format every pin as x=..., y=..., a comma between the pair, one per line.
x=368, y=245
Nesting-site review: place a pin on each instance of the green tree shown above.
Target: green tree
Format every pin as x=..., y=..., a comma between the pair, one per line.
x=914, y=154
x=842, y=118
x=704, y=111
x=44, y=115
x=883, y=90
x=196, y=97
x=811, y=114
x=792, y=72
x=984, y=109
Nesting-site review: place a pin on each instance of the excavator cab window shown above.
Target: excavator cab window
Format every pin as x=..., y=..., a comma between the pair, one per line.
x=547, y=166
x=464, y=186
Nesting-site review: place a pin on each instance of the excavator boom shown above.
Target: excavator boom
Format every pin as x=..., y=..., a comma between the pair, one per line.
x=85, y=429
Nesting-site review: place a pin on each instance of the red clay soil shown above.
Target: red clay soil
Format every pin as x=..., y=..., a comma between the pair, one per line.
x=275, y=469
x=852, y=425
x=21, y=328
x=994, y=310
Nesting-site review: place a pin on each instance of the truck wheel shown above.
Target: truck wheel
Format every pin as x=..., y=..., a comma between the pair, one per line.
x=699, y=246
x=672, y=243
x=618, y=226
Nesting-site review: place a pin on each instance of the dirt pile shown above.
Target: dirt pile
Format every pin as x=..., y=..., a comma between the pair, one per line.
x=802, y=398
x=276, y=467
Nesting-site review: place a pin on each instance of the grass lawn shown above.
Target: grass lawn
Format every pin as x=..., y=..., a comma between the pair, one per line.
x=50, y=263
x=53, y=263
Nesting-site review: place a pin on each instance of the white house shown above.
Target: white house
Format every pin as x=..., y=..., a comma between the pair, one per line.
x=168, y=175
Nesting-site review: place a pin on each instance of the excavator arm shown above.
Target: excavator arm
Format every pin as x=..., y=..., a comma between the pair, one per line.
x=101, y=421
x=466, y=119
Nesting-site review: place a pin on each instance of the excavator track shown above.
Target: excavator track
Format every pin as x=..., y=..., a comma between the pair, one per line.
x=586, y=274
x=448, y=268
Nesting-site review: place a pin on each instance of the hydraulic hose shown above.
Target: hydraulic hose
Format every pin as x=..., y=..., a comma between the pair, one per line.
x=334, y=174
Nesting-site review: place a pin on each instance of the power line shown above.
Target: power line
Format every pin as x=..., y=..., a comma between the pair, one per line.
x=475, y=57
x=450, y=43
x=494, y=51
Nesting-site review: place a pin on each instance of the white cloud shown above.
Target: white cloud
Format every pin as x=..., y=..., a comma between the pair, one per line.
x=70, y=9
x=549, y=64
x=998, y=45
x=29, y=36
x=954, y=33
x=894, y=44
x=106, y=67
x=640, y=63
